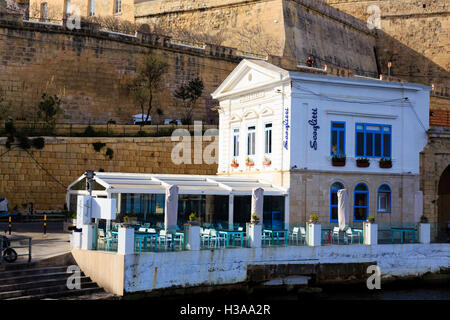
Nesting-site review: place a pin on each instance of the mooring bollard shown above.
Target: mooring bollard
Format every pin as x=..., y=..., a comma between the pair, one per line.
x=9, y=225
x=45, y=224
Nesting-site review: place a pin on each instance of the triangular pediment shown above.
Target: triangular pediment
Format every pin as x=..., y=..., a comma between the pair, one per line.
x=248, y=75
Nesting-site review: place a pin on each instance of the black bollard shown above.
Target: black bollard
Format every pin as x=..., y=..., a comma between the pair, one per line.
x=9, y=225
x=45, y=224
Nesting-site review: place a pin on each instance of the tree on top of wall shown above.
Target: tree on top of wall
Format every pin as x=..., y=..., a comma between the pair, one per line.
x=189, y=95
x=148, y=80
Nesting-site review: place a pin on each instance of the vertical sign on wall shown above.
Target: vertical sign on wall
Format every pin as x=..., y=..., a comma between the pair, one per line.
x=286, y=130
x=313, y=122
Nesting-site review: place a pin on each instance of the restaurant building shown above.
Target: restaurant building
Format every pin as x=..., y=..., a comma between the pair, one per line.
x=314, y=134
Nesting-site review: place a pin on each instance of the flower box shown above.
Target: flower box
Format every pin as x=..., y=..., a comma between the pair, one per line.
x=385, y=163
x=267, y=163
x=249, y=164
x=235, y=165
x=338, y=163
x=362, y=163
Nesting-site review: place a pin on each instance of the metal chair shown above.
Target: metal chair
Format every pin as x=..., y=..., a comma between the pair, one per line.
x=295, y=235
x=350, y=235
x=303, y=234
x=336, y=234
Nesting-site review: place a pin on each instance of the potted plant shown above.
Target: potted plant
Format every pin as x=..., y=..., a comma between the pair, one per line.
x=371, y=219
x=234, y=163
x=423, y=219
x=313, y=218
x=193, y=219
x=254, y=219
x=362, y=162
x=249, y=162
x=385, y=163
x=338, y=161
x=267, y=161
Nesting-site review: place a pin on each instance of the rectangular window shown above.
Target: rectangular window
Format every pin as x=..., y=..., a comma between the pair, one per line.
x=384, y=202
x=117, y=6
x=235, y=142
x=251, y=139
x=91, y=8
x=44, y=12
x=67, y=9
x=268, y=138
x=337, y=138
x=373, y=141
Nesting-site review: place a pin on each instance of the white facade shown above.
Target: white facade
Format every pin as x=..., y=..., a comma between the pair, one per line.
x=257, y=93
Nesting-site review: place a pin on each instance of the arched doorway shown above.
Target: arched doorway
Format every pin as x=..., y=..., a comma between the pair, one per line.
x=444, y=205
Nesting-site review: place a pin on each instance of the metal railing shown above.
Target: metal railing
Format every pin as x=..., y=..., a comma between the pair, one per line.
x=20, y=240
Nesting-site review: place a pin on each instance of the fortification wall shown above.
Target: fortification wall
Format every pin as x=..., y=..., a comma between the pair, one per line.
x=42, y=176
x=91, y=70
x=414, y=35
x=289, y=28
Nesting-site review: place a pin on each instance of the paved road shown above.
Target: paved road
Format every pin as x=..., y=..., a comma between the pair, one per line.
x=53, y=243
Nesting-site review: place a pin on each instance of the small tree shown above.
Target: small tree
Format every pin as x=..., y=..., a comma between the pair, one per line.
x=189, y=95
x=48, y=108
x=147, y=81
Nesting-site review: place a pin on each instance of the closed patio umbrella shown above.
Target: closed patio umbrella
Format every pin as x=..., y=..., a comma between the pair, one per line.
x=418, y=205
x=343, y=208
x=171, y=212
x=257, y=203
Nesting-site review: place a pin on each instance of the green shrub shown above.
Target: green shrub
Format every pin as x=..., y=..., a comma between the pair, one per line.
x=98, y=146
x=110, y=153
x=38, y=143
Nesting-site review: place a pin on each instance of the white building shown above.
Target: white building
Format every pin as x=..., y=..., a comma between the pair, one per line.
x=300, y=121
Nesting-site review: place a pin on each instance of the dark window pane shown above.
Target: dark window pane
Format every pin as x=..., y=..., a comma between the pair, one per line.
x=369, y=144
x=360, y=144
x=334, y=198
x=387, y=145
x=334, y=213
x=360, y=213
x=338, y=125
x=337, y=186
x=377, y=145
x=341, y=143
x=360, y=199
x=361, y=187
x=334, y=142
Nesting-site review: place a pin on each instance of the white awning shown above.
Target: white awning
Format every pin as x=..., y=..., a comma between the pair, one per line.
x=187, y=184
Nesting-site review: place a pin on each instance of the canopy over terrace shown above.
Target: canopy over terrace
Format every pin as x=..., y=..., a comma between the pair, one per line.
x=213, y=198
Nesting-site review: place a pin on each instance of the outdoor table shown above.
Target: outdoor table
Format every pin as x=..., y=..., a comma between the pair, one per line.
x=230, y=234
x=329, y=234
x=402, y=232
x=143, y=236
x=276, y=233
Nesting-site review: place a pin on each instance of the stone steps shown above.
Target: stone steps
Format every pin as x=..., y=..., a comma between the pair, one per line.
x=31, y=282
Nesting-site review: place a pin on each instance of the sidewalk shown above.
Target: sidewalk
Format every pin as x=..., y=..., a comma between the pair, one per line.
x=55, y=242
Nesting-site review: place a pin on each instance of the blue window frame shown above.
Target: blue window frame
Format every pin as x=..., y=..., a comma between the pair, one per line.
x=384, y=199
x=361, y=203
x=335, y=187
x=337, y=138
x=373, y=140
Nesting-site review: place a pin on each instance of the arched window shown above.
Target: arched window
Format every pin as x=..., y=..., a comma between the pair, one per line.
x=361, y=203
x=335, y=187
x=384, y=198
